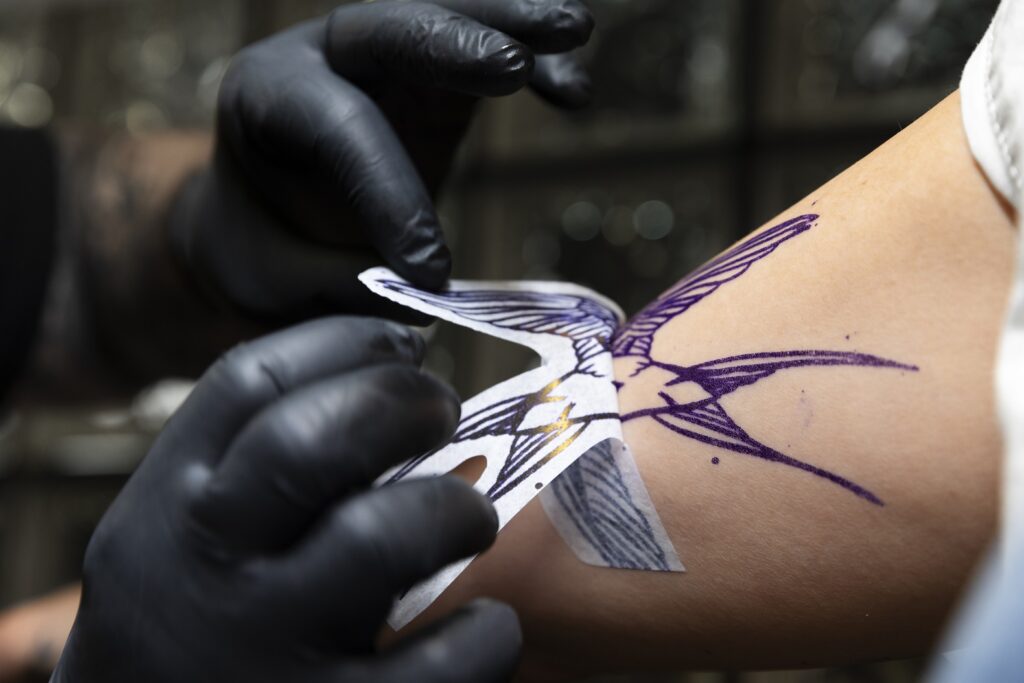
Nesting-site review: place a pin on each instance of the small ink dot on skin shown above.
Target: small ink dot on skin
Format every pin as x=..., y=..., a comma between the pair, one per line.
x=714, y=460
x=538, y=486
x=847, y=337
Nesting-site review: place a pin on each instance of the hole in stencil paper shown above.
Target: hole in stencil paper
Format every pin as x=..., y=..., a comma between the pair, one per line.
x=470, y=470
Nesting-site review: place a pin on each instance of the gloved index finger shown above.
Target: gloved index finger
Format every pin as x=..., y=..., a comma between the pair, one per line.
x=388, y=195
x=384, y=541
x=546, y=26
x=314, y=446
x=562, y=81
x=252, y=375
x=425, y=44
x=319, y=125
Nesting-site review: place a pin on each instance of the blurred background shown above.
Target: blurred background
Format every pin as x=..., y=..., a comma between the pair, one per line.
x=710, y=117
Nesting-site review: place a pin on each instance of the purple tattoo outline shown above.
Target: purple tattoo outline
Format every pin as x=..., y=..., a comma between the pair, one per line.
x=610, y=513
x=606, y=510
x=604, y=503
x=705, y=420
x=585, y=322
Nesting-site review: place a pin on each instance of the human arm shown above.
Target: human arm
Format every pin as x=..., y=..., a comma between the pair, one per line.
x=32, y=634
x=909, y=261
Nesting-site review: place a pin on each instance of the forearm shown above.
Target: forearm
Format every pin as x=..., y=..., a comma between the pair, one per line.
x=832, y=508
x=121, y=310
x=32, y=634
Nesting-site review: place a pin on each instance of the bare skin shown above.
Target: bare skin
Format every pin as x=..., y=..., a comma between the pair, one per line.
x=33, y=634
x=910, y=260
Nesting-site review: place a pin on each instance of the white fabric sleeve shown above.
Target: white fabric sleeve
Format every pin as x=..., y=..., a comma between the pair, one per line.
x=991, y=87
x=992, y=99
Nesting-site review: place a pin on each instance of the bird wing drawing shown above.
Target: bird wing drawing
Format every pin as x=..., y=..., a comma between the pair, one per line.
x=557, y=429
x=529, y=428
x=637, y=337
x=701, y=416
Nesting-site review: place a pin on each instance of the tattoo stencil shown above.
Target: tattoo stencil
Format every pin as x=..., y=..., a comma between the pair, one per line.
x=602, y=510
x=599, y=505
x=533, y=426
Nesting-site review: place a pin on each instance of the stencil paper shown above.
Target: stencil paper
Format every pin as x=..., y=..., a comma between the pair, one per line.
x=531, y=428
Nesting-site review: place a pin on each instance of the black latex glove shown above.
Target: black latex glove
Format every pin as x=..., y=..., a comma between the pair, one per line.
x=333, y=137
x=246, y=547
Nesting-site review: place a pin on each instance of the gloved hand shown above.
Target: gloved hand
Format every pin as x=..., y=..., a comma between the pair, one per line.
x=333, y=137
x=246, y=547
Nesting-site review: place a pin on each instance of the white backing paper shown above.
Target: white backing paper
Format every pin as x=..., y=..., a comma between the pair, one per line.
x=532, y=427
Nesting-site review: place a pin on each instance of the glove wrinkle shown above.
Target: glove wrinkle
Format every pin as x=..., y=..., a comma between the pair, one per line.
x=545, y=26
x=247, y=547
x=333, y=139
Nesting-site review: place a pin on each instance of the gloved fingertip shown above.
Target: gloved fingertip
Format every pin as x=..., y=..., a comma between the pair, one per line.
x=417, y=318
x=487, y=506
x=408, y=341
x=454, y=403
x=578, y=92
x=508, y=69
x=499, y=621
x=471, y=505
x=502, y=635
x=564, y=83
x=573, y=22
x=430, y=266
x=439, y=264
x=384, y=309
x=493, y=514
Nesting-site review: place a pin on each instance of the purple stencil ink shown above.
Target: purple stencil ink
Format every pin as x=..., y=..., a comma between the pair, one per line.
x=586, y=323
x=594, y=496
x=704, y=419
x=594, y=492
